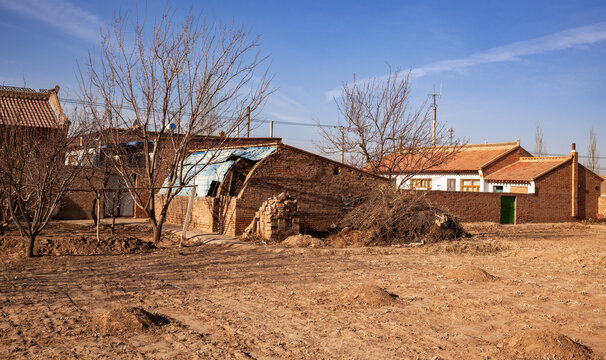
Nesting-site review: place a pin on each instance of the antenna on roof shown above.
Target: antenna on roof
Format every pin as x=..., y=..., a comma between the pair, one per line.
x=435, y=107
x=450, y=136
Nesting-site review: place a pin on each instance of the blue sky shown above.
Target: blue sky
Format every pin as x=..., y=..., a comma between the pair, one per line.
x=502, y=65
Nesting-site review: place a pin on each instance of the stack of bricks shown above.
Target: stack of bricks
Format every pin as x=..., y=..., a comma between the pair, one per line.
x=277, y=218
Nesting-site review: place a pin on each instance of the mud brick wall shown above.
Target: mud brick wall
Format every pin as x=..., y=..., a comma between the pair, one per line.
x=602, y=207
x=208, y=213
x=79, y=204
x=318, y=184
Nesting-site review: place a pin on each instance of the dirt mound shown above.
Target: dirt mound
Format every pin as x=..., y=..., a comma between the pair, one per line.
x=367, y=294
x=471, y=273
x=471, y=247
x=127, y=320
x=347, y=237
x=90, y=246
x=535, y=344
x=302, y=241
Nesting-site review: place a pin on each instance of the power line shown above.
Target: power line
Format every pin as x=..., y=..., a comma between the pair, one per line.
x=582, y=156
x=258, y=120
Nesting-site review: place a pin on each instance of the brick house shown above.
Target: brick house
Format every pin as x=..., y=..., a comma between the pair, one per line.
x=465, y=170
x=230, y=192
x=602, y=201
x=505, y=183
x=79, y=204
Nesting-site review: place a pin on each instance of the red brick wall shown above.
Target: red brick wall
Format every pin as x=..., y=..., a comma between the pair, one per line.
x=550, y=203
x=317, y=183
x=589, y=193
x=505, y=161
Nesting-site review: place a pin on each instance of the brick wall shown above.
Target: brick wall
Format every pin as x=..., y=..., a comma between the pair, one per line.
x=317, y=183
x=79, y=204
x=602, y=207
x=208, y=213
x=589, y=193
x=554, y=195
x=506, y=160
x=550, y=203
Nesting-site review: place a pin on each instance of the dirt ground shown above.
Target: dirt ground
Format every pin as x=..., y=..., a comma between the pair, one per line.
x=523, y=291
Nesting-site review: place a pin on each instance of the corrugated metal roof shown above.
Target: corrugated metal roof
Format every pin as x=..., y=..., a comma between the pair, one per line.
x=212, y=165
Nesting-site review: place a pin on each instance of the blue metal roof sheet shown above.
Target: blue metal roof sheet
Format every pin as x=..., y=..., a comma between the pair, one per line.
x=212, y=166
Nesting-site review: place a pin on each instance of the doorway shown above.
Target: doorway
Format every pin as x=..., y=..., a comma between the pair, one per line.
x=508, y=209
x=118, y=203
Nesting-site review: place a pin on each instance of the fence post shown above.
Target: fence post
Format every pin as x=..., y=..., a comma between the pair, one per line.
x=190, y=204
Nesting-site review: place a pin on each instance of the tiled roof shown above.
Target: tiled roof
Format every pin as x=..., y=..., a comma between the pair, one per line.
x=470, y=158
x=26, y=107
x=527, y=168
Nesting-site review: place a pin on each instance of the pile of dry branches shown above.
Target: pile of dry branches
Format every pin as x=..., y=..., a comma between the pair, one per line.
x=391, y=216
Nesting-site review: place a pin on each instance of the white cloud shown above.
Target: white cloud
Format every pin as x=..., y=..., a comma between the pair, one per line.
x=60, y=14
x=558, y=41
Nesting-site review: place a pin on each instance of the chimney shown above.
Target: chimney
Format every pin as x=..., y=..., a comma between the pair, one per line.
x=575, y=181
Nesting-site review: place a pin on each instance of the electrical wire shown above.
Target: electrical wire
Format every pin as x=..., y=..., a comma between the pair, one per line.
x=258, y=120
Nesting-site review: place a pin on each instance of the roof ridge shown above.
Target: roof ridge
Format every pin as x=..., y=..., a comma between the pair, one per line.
x=501, y=144
x=500, y=156
x=544, y=158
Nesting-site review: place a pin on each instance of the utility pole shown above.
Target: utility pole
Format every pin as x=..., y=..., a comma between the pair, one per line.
x=271, y=128
x=248, y=122
x=435, y=108
x=342, y=145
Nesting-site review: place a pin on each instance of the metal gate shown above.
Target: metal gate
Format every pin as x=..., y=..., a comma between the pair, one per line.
x=508, y=210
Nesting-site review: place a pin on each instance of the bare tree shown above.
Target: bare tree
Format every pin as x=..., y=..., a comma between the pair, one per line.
x=593, y=156
x=539, y=148
x=162, y=87
x=33, y=176
x=4, y=216
x=381, y=133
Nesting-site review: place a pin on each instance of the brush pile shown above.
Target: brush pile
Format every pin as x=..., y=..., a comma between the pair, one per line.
x=390, y=216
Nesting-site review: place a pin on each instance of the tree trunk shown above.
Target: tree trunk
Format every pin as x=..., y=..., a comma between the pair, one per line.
x=29, y=246
x=113, y=224
x=157, y=225
x=157, y=232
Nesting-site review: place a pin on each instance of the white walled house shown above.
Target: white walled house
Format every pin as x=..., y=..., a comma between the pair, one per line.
x=469, y=170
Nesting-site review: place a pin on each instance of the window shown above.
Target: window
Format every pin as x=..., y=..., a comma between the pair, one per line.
x=470, y=185
x=497, y=188
x=451, y=185
x=421, y=184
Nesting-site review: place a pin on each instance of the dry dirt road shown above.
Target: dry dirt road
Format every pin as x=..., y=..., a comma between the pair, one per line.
x=268, y=302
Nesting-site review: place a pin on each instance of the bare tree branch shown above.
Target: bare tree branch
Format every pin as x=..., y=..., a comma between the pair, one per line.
x=181, y=80
x=381, y=133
